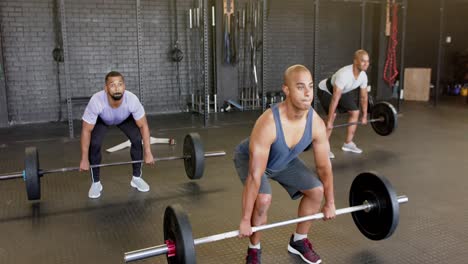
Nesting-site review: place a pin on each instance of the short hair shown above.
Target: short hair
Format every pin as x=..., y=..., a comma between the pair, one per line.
x=113, y=74
x=293, y=69
x=359, y=53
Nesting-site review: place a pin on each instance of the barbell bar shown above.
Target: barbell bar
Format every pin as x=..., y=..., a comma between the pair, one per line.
x=383, y=118
x=68, y=169
x=359, y=122
x=193, y=156
x=373, y=204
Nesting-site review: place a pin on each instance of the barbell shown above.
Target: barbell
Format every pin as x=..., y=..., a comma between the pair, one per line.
x=383, y=118
x=373, y=204
x=193, y=155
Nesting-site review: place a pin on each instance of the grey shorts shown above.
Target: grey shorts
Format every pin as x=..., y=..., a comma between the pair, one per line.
x=295, y=178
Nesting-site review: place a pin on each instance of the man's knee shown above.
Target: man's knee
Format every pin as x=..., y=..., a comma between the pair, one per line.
x=354, y=113
x=262, y=203
x=136, y=142
x=314, y=193
x=95, y=145
x=135, y=138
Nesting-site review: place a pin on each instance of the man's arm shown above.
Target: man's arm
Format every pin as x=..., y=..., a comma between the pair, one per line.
x=142, y=124
x=85, y=141
x=321, y=148
x=259, y=150
x=364, y=103
x=337, y=91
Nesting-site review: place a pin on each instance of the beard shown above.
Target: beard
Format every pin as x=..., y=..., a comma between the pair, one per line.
x=117, y=96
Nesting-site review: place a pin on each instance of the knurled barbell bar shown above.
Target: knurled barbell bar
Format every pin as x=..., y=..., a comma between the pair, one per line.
x=373, y=204
x=193, y=156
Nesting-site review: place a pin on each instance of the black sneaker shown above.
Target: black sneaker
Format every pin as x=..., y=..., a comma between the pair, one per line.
x=304, y=249
x=254, y=256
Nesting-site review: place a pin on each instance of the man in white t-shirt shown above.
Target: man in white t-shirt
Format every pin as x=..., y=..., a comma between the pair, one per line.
x=114, y=106
x=334, y=93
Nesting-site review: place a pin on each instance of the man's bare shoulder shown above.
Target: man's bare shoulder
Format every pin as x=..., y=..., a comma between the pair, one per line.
x=318, y=125
x=266, y=119
x=265, y=126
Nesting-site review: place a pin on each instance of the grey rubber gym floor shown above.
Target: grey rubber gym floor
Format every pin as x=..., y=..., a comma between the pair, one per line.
x=426, y=159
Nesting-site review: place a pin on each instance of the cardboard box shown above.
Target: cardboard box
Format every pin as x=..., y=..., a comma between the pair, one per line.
x=417, y=84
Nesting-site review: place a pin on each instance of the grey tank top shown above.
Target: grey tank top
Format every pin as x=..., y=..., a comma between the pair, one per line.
x=280, y=153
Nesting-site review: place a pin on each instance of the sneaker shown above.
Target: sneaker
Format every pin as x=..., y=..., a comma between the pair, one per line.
x=351, y=147
x=304, y=249
x=331, y=155
x=254, y=256
x=140, y=184
x=95, y=190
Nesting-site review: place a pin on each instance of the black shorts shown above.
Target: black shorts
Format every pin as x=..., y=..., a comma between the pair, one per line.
x=347, y=101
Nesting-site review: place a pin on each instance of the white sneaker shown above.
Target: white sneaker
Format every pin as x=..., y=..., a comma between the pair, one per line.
x=351, y=147
x=95, y=190
x=140, y=184
x=331, y=155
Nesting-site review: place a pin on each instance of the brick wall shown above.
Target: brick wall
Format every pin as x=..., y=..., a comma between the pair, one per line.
x=290, y=38
x=3, y=94
x=28, y=41
x=102, y=36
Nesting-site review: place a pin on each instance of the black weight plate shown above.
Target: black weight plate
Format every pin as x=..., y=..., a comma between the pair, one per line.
x=381, y=221
x=386, y=111
x=177, y=229
x=31, y=173
x=195, y=156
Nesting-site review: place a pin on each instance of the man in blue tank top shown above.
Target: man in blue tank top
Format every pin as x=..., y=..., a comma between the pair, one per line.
x=114, y=106
x=278, y=137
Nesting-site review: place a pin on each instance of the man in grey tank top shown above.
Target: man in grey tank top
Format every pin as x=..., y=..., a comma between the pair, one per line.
x=114, y=106
x=278, y=137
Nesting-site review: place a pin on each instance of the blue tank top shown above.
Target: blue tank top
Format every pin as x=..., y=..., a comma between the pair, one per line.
x=280, y=153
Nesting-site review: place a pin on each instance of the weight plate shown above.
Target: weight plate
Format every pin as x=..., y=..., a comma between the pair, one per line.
x=381, y=221
x=386, y=111
x=31, y=173
x=178, y=230
x=194, y=154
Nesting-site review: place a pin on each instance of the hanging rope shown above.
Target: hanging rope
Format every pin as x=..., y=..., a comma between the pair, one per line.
x=391, y=71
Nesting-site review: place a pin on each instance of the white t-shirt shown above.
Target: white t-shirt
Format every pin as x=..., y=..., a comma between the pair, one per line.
x=344, y=79
x=99, y=106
